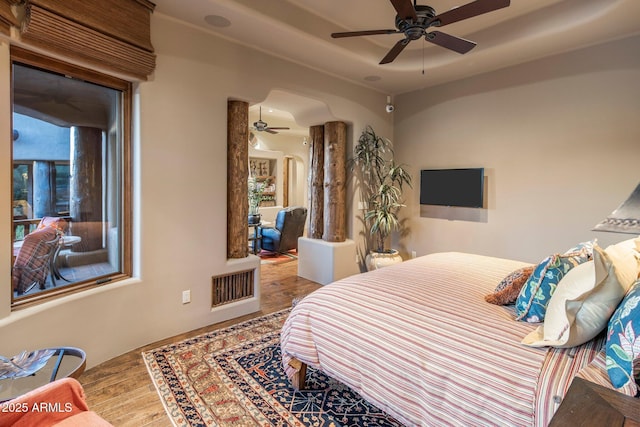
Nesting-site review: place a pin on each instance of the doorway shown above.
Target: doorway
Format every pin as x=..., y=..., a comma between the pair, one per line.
x=281, y=157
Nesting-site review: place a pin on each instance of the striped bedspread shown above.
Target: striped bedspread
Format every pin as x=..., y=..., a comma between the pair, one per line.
x=418, y=340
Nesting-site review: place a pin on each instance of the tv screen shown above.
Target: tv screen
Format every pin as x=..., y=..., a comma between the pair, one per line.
x=452, y=187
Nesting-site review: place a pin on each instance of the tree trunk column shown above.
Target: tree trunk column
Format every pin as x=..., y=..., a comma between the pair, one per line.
x=44, y=182
x=85, y=204
x=316, y=182
x=335, y=149
x=237, y=174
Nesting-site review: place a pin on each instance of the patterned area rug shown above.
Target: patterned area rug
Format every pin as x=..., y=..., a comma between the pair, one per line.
x=234, y=377
x=267, y=257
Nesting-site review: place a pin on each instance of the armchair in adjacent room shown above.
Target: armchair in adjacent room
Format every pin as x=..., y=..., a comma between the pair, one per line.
x=284, y=235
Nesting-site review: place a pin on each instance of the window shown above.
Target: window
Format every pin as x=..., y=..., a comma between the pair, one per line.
x=71, y=178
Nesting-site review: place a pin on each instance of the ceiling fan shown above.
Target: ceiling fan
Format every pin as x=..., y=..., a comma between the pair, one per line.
x=261, y=126
x=414, y=20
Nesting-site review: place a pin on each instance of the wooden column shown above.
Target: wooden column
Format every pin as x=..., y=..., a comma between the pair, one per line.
x=44, y=181
x=85, y=201
x=335, y=172
x=316, y=182
x=237, y=175
x=286, y=183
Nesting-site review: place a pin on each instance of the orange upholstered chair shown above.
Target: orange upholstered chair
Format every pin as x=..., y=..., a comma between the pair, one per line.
x=60, y=403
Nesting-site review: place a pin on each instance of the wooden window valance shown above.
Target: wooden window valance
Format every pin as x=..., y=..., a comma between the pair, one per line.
x=7, y=19
x=114, y=35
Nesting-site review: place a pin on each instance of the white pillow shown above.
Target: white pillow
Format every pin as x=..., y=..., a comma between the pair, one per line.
x=586, y=297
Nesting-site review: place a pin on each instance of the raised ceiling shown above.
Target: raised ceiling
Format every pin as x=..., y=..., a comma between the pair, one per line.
x=294, y=111
x=299, y=30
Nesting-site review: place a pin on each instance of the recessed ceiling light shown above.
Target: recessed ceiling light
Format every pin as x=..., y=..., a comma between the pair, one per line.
x=372, y=78
x=217, y=21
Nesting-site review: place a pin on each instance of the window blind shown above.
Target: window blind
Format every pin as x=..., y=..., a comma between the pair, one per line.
x=7, y=19
x=113, y=35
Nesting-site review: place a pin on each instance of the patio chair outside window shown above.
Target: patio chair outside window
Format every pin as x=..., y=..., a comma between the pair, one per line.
x=33, y=261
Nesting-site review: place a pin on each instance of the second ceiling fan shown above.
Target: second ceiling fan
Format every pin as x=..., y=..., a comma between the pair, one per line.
x=413, y=20
x=261, y=126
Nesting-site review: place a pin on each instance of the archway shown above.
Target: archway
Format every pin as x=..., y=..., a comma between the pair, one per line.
x=287, y=151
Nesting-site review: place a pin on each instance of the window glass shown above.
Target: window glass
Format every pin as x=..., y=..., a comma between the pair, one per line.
x=63, y=178
x=69, y=153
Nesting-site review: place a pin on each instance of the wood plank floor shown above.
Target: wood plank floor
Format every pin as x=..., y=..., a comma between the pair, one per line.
x=120, y=390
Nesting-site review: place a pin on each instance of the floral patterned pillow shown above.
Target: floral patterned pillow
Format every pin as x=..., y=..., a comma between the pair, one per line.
x=534, y=296
x=623, y=338
x=583, y=246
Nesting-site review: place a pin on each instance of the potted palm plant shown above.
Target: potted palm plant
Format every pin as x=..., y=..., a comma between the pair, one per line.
x=381, y=184
x=256, y=189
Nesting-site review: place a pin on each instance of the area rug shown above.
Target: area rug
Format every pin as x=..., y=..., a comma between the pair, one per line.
x=267, y=257
x=234, y=377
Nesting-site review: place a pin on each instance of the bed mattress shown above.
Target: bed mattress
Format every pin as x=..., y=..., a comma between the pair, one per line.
x=418, y=340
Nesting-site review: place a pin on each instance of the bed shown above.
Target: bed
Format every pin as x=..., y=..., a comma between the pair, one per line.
x=419, y=341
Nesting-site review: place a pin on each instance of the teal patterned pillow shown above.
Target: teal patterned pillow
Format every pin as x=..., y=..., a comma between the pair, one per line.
x=531, y=305
x=583, y=246
x=623, y=338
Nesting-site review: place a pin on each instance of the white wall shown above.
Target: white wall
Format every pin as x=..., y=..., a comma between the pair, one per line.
x=180, y=192
x=559, y=140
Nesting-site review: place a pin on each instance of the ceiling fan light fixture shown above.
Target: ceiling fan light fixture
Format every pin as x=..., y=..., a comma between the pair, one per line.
x=413, y=21
x=261, y=126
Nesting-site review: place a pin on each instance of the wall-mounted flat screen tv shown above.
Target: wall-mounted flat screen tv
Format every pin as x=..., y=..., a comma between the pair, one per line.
x=452, y=187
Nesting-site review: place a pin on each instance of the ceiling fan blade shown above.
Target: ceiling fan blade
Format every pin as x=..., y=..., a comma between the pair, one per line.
x=395, y=51
x=278, y=128
x=469, y=10
x=362, y=33
x=450, y=42
x=270, y=131
x=405, y=9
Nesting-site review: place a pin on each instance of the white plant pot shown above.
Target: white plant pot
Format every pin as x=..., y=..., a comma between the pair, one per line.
x=376, y=260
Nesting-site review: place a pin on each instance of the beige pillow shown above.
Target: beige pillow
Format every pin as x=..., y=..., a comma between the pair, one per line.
x=629, y=244
x=586, y=298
